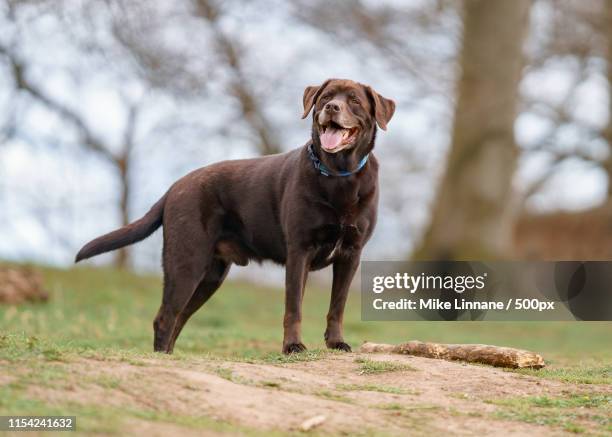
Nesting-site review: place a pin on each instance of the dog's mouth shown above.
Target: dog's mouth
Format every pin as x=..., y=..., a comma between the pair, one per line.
x=335, y=137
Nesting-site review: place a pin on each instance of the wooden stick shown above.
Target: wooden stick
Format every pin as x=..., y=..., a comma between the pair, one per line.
x=471, y=353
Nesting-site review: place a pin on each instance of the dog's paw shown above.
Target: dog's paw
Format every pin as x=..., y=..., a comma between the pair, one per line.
x=293, y=348
x=339, y=345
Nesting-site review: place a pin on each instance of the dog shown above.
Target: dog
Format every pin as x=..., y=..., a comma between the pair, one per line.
x=306, y=209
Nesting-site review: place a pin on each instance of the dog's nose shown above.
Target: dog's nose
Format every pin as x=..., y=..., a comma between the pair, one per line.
x=332, y=107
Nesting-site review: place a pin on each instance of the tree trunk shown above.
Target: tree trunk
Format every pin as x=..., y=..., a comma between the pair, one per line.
x=122, y=260
x=471, y=216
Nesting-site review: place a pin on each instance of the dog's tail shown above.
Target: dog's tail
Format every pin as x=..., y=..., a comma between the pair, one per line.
x=129, y=234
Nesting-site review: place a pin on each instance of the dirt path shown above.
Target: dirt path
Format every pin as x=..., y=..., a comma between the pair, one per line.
x=429, y=396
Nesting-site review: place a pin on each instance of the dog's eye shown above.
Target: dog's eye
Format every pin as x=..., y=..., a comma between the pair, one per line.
x=326, y=97
x=354, y=99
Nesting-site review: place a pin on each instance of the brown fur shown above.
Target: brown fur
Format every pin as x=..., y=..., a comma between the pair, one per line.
x=277, y=208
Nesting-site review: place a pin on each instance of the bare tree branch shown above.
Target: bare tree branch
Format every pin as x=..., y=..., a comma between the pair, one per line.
x=560, y=115
x=239, y=87
x=376, y=25
x=558, y=160
x=88, y=138
x=121, y=161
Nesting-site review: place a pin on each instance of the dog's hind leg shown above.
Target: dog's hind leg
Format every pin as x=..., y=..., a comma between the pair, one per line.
x=213, y=279
x=187, y=254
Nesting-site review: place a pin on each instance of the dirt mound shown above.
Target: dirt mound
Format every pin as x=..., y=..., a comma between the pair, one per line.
x=340, y=394
x=21, y=284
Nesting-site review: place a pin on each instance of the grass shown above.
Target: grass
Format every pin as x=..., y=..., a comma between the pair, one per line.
x=391, y=406
x=106, y=314
x=377, y=388
x=103, y=310
x=369, y=367
x=394, y=406
x=327, y=394
x=589, y=374
x=576, y=413
x=279, y=358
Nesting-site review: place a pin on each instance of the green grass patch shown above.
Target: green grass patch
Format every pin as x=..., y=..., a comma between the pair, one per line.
x=327, y=394
x=583, y=374
x=309, y=355
x=377, y=388
x=577, y=413
x=105, y=311
x=229, y=375
x=21, y=347
x=369, y=367
x=398, y=407
x=573, y=401
x=391, y=406
x=225, y=373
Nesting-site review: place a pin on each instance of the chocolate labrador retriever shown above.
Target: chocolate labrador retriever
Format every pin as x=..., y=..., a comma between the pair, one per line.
x=306, y=209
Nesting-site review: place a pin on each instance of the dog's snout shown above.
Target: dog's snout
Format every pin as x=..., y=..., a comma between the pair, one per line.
x=332, y=107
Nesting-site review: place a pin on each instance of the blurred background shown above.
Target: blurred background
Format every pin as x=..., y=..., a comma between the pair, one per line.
x=500, y=147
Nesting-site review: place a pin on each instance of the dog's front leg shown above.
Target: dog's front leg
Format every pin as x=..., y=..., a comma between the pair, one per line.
x=295, y=281
x=344, y=270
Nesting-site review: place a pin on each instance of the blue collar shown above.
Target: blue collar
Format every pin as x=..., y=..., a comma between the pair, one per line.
x=318, y=165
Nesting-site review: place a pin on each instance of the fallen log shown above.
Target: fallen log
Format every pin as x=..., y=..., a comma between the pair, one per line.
x=472, y=353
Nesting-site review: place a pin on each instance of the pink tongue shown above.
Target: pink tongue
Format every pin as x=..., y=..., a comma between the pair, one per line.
x=331, y=138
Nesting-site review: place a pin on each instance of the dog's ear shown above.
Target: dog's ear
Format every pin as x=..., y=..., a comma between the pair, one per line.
x=311, y=93
x=383, y=108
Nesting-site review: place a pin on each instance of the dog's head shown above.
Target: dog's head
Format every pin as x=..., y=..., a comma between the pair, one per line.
x=345, y=114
